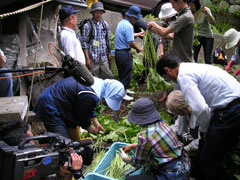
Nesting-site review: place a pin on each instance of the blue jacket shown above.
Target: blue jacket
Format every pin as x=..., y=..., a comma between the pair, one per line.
x=67, y=100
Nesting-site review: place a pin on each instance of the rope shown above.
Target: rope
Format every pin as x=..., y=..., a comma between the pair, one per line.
x=39, y=30
x=24, y=9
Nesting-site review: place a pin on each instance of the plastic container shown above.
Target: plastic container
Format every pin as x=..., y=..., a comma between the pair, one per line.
x=101, y=168
x=94, y=176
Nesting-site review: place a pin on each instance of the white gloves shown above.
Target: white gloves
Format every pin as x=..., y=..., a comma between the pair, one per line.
x=123, y=154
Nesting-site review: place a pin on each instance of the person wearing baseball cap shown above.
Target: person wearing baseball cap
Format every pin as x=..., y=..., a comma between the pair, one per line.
x=124, y=41
x=157, y=145
x=69, y=43
x=111, y=90
x=232, y=39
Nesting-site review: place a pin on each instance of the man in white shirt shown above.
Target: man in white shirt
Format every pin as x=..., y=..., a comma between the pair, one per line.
x=205, y=86
x=69, y=42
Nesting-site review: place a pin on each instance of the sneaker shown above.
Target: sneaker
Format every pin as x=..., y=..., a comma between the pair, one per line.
x=129, y=92
x=127, y=98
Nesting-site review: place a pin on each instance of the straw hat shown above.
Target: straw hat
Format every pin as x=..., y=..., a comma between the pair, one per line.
x=231, y=38
x=167, y=11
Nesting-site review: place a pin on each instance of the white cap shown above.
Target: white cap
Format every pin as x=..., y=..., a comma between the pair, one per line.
x=167, y=11
x=231, y=38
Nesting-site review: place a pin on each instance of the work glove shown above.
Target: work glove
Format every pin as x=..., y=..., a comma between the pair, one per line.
x=123, y=154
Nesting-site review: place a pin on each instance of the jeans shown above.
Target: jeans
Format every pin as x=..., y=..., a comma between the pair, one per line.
x=222, y=135
x=173, y=170
x=124, y=64
x=207, y=44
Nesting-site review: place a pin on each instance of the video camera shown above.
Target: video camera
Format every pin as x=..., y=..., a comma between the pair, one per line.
x=26, y=161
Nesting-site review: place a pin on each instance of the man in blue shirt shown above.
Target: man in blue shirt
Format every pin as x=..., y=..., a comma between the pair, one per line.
x=124, y=41
x=214, y=96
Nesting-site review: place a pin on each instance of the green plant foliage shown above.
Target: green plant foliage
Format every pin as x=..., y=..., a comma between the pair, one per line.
x=151, y=17
x=156, y=82
x=122, y=130
x=167, y=118
x=195, y=41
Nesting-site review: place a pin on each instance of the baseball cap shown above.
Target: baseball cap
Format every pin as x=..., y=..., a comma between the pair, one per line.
x=66, y=11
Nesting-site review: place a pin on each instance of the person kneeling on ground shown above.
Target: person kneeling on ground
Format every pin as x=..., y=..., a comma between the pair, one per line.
x=14, y=131
x=157, y=146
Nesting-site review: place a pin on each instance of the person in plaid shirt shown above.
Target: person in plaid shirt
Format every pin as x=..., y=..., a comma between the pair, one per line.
x=157, y=147
x=97, y=49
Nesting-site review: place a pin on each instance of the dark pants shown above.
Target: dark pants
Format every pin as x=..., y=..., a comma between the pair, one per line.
x=207, y=44
x=124, y=64
x=222, y=135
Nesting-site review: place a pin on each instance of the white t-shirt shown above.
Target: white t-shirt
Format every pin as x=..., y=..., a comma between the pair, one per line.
x=71, y=45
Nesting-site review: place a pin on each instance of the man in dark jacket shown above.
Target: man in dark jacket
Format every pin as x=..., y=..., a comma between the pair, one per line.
x=67, y=104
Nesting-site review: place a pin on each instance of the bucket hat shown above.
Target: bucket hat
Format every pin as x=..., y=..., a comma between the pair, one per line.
x=143, y=112
x=97, y=6
x=231, y=38
x=134, y=11
x=111, y=90
x=66, y=11
x=167, y=11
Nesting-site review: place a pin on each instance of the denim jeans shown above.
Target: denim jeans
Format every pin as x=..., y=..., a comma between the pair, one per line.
x=124, y=64
x=207, y=44
x=222, y=135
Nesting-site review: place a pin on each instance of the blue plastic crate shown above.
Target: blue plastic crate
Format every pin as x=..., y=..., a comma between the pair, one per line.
x=101, y=168
x=94, y=176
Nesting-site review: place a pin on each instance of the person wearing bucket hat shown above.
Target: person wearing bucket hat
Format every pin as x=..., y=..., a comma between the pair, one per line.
x=183, y=29
x=157, y=145
x=69, y=43
x=203, y=20
x=214, y=96
x=124, y=41
x=232, y=39
x=167, y=15
x=96, y=43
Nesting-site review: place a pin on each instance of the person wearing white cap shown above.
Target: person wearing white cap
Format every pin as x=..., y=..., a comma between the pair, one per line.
x=183, y=29
x=167, y=15
x=232, y=39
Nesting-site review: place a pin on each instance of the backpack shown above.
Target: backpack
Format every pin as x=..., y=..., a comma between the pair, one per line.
x=219, y=56
x=92, y=29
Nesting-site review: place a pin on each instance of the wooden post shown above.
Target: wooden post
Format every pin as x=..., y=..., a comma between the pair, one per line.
x=23, y=49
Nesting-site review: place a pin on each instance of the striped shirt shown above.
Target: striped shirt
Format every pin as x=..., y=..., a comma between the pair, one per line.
x=157, y=144
x=98, y=52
